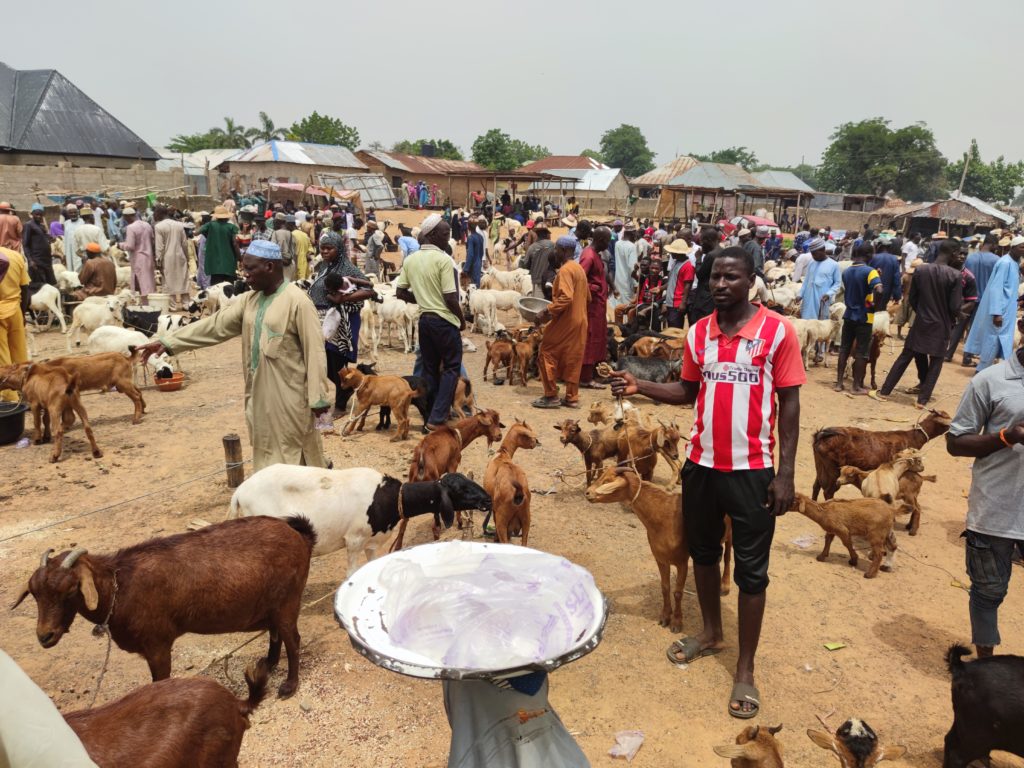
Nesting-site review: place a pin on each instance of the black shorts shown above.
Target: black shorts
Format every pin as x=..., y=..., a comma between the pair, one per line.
x=859, y=332
x=708, y=496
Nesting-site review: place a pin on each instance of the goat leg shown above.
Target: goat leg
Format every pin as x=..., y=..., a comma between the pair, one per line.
x=848, y=541
x=828, y=545
x=159, y=661
x=677, y=597
x=76, y=404
x=274, y=651
x=290, y=635
x=915, y=520
x=664, y=570
x=877, y=552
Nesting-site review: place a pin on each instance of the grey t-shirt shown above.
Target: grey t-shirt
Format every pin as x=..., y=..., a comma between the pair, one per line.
x=994, y=400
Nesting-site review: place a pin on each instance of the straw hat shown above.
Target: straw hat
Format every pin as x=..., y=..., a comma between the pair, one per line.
x=86, y=210
x=128, y=212
x=914, y=265
x=570, y=221
x=1004, y=242
x=219, y=212
x=5, y=206
x=679, y=247
x=743, y=232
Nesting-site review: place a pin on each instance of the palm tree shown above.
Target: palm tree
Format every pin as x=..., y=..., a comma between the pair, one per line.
x=191, y=142
x=231, y=136
x=267, y=130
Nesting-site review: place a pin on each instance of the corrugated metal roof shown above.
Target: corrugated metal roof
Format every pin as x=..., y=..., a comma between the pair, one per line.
x=428, y=166
x=716, y=176
x=300, y=153
x=578, y=180
x=564, y=162
x=663, y=174
x=982, y=206
x=781, y=180
x=43, y=111
x=372, y=187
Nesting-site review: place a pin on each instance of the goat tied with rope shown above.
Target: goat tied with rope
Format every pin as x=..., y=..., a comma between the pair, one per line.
x=370, y=390
x=508, y=486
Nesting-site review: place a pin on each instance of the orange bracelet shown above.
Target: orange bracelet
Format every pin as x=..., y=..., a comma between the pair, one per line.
x=1002, y=436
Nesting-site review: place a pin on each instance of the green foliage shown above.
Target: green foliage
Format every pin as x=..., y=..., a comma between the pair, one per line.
x=266, y=132
x=625, y=147
x=593, y=154
x=376, y=146
x=741, y=156
x=191, y=142
x=443, y=148
x=500, y=152
x=870, y=158
x=321, y=129
x=231, y=136
x=993, y=181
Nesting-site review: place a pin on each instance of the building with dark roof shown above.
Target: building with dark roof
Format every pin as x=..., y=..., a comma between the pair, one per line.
x=45, y=119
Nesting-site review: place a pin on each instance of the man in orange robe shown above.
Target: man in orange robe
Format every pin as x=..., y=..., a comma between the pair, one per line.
x=565, y=336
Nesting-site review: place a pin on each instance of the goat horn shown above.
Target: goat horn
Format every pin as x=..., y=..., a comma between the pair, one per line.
x=73, y=556
x=46, y=558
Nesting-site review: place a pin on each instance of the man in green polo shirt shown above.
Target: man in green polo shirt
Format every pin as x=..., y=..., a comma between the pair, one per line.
x=428, y=279
x=222, y=254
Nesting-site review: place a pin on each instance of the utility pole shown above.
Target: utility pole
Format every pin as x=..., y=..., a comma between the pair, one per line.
x=963, y=176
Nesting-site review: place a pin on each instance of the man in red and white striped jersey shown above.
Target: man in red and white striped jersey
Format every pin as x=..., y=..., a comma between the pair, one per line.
x=741, y=368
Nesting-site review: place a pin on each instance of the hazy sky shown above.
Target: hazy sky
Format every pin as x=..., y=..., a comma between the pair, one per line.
x=695, y=76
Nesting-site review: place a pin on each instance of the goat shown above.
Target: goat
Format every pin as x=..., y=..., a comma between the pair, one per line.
x=871, y=519
x=1000, y=759
x=755, y=747
x=500, y=352
x=649, y=369
x=867, y=449
x=988, y=707
x=481, y=305
x=393, y=391
x=661, y=513
x=47, y=299
x=112, y=338
x=641, y=447
x=369, y=329
x=357, y=508
x=595, y=446
x=507, y=485
x=392, y=313
x=605, y=413
x=811, y=332
x=90, y=316
x=237, y=576
x=524, y=357
x=67, y=281
x=898, y=479
x=191, y=722
x=52, y=394
x=104, y=371
x=856, y=745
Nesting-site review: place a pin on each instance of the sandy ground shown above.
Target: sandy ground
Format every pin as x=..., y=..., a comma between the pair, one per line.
x=158, y=476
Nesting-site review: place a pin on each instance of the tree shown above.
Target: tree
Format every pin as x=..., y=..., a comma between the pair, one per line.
x=993, y=181
x=625, y=147
x=593, y=154
x=870, y=158
x=321, y=129
x=443, y=148
x=740, y=156
x=191, y=142
x=267, y=130
x=231, y=136
x=376, y=146
x=500, y=152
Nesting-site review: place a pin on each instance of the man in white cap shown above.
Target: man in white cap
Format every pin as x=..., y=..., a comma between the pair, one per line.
x=139, y=245
x=819, y=287
x=89, y=232
x=71, y=223
x=991, y=335
x=428, y=279
x=286, y=384
x=374, y=249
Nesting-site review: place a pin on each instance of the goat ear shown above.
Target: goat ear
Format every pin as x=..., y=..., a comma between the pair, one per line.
x=748, y=751
x=21, y=597
x=823, y=740
x=775, y=729
x=502, y=425
x=87, y=586
x=894, y=752
x=659, y=438
x=605, y=488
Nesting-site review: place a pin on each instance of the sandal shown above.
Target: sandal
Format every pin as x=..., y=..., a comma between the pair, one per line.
x=567, y=404
x=545, y=403
x=691, y=650
x=745, y=693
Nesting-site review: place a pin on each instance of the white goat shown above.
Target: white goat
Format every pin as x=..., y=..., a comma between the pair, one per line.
x=393, y=314
x=47, y=299
x=811, y=332
x=67, y=281
x=481, y=305
x=92, y=315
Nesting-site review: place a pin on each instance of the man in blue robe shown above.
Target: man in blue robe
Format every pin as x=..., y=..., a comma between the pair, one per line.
x=991, y=335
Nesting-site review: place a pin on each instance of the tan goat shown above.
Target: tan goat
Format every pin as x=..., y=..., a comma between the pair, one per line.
x=508, y=486
x=871, y=519
x=500, y=354
x=596, y=446
x=370, y=390
x=642, y=446
x=103, y=371
x=661, y=513
x=755, y=747
x=52, y=394
x=900, y=479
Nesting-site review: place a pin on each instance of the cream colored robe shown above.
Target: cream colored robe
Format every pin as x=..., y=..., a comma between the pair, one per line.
x=172, y=254
x=285, y=370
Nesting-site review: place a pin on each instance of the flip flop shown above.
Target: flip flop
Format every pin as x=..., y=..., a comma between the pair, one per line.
x=691, y=650
x=545, y=403
x=744, y=692
x=566, y=404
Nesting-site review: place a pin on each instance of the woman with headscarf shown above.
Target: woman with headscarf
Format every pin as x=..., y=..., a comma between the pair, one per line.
x=343, y=346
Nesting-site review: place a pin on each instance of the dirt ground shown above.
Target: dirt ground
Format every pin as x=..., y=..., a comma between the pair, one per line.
x=158, y=476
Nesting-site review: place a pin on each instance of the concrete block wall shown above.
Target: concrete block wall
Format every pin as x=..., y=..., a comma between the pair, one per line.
x=22, y=185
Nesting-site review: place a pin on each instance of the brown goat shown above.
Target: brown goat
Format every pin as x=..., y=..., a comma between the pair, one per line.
x=856, y=745
x=900, y=479
x=506, y=483
x=190, y=722
x=871, y=519
x=241, y=575
x=642, y=446
x=370, y=390
x=595, y=446
x=500, y=353
x=877, y=339
x=52, y=394
x=441, y=451
x=755, y=747
x=867, y=449
x=661, y=513
x=103, y=371
x=523, y=356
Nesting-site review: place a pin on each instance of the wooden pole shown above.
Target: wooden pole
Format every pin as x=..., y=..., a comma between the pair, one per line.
x=233, y=460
